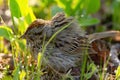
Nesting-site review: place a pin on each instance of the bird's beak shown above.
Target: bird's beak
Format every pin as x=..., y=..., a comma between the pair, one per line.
x=23, y=37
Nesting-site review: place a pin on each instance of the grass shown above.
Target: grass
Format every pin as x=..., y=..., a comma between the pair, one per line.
x=41, y=55
x=25, y=68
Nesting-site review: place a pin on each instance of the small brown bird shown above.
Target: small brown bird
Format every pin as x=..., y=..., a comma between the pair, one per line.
x=67, y=48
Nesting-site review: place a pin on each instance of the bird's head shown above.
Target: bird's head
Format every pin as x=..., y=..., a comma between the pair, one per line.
x=37, y=28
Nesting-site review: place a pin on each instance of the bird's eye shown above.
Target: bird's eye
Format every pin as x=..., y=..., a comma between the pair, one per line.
x=38, y=33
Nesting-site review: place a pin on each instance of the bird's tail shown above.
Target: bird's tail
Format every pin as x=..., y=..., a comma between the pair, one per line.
x=96, y=36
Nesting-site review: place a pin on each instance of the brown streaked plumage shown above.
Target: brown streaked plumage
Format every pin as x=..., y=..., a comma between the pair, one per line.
x=68, y=47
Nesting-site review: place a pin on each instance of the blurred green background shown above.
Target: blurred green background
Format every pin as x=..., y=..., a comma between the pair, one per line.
x=16, y=15
x=92, y=15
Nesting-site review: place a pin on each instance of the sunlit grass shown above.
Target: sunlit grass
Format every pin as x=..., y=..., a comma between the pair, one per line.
x=22, y=15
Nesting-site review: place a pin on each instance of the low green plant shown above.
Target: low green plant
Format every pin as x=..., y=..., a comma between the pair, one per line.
x=22, y=15
x=117, y=75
